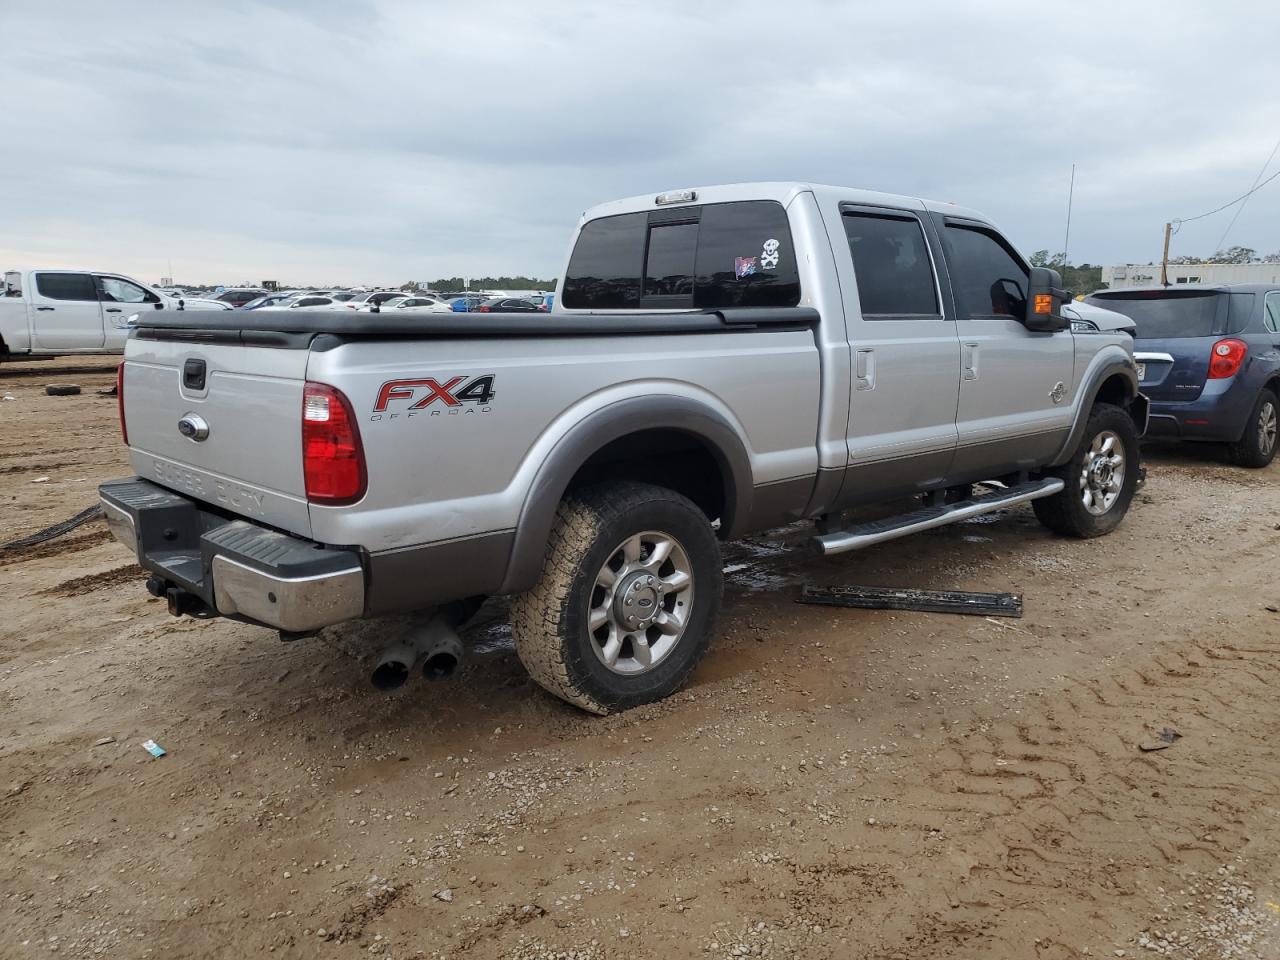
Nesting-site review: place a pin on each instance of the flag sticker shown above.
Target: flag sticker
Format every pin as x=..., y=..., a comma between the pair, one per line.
x=744, y=267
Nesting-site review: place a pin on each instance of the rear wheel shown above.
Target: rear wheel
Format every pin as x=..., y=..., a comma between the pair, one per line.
x=1100, y=478
x=1257, y=447
x=627, y=601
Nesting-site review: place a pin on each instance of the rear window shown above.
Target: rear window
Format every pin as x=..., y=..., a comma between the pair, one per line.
x=706, y=257
x=1163, y=315
x=66, y=286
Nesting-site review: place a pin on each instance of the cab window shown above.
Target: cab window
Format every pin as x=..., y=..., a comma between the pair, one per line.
x=116, y=290
x=988, y=278
x=66, y=286
x=706, y=257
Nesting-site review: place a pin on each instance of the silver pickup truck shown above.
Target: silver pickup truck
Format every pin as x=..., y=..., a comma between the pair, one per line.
x=720, y=361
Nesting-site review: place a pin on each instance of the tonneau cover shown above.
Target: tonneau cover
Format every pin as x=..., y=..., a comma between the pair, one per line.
x=236, y=323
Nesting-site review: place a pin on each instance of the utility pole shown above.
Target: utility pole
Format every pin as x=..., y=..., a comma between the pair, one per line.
x=1164, y=258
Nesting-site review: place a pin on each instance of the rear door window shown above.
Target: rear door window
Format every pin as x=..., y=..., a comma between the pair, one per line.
x=892, y=266
x=1165, y=314
x=66, y=286
x=707, y=257
x=988, y=278
x=1271, y=311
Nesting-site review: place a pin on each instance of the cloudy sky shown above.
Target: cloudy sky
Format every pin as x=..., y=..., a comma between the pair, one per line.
x=340, y=141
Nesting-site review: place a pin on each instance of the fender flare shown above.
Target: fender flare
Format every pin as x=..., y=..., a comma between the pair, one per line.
x=591, y=434
x=1105, y=366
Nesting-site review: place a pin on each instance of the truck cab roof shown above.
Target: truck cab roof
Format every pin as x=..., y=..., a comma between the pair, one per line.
x=783, y=191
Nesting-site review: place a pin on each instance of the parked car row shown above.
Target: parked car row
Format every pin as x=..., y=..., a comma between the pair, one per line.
x=380, y=300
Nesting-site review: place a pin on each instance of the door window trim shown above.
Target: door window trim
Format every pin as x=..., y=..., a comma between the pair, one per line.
x=898, y=213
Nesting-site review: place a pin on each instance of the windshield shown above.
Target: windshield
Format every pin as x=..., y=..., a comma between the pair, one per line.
x=1162, y=315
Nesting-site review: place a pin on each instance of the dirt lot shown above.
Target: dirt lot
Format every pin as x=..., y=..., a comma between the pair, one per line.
x=844, y=784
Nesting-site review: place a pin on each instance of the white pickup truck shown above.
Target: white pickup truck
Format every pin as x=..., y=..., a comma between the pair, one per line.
x=720, y=361
x=49, y=313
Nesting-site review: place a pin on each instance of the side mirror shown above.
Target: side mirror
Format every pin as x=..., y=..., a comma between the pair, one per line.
x=1045, y=298
x=182, y=304
x=159, y=305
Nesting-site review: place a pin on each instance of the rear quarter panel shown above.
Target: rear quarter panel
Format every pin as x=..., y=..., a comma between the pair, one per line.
x=445, y=472
x=15, y=325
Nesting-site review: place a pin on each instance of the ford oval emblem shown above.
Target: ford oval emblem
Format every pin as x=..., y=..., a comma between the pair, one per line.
x=193, y=427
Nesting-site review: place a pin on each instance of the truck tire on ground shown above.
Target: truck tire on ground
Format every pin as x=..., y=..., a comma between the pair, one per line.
x=1257, y=447
x=627, y=601
x=1100, y=478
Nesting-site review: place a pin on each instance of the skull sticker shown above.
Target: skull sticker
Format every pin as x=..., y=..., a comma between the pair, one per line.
x=769, y=256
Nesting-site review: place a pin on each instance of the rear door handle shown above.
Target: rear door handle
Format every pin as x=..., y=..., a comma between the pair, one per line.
x=969, y=361
x=864, y=370
x=44, y=308
x=113, y=310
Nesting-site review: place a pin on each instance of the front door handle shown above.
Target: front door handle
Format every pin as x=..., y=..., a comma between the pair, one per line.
x=969, y=361
x=44, y=308
x=113, y=310
x=864, y=370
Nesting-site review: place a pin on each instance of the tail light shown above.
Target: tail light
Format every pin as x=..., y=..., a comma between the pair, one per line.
x=124, y=427
x=1226, y=357
x=484, y=308
x=332, y=457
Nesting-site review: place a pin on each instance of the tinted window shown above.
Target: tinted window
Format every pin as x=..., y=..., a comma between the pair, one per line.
x=1271, y=311
x=66, y=286
x=122, y=291
x=742, y=256
x=312, y=302
x=668, y=269
x=604, y=271
x=745, y=257
x=987, y=279
x=1161, y=314
x=891, y=261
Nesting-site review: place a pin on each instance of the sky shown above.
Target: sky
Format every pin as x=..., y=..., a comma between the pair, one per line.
x=376, y=141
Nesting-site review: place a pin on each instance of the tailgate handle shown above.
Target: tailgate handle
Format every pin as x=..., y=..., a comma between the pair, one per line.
x=193, y=374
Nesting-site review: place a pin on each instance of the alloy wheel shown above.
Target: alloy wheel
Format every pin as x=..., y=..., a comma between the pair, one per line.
x=640, y=603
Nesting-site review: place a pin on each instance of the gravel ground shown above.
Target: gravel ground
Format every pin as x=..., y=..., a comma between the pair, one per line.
x=833, y=783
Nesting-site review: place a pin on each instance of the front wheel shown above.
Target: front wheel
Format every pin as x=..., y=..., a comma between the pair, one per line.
x=1257, y=447
x=1100, y=478
x=628, y=597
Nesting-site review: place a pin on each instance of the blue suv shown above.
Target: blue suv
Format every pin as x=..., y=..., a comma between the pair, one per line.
x=1209, y=360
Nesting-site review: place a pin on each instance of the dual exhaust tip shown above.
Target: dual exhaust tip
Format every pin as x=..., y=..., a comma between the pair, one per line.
x=434, y=645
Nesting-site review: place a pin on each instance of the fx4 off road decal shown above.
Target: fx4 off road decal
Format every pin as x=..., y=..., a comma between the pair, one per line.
x=433, y=397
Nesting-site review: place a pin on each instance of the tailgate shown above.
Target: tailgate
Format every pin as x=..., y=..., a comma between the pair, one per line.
x=250, y=400
x=1174, y=368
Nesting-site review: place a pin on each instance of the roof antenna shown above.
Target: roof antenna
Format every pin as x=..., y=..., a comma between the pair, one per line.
x=1071, y=193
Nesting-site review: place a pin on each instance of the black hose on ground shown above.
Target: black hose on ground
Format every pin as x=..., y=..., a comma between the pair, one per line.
x=57, y=530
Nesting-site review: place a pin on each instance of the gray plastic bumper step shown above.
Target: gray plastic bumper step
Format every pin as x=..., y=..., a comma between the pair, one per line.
x=924, y=601
x=926, y=518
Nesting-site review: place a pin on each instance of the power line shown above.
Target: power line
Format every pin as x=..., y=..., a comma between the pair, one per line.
x=1245, y=201
x=1225, y=205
